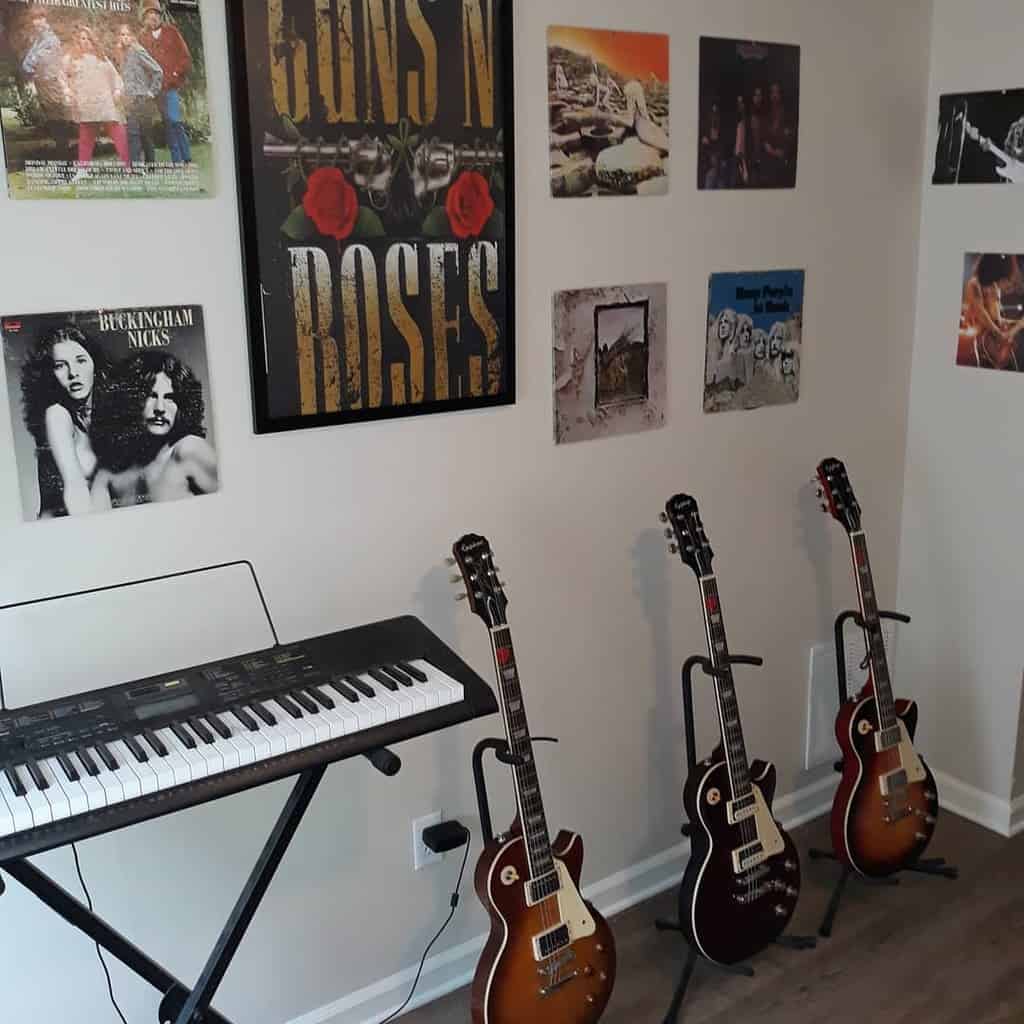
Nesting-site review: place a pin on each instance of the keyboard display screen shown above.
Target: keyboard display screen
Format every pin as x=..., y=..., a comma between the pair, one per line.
x=166, y=707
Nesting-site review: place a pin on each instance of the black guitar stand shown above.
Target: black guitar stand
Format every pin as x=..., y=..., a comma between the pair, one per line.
x=505, y=756
x=936, y=866
x=181, y=1004
x=693, y=954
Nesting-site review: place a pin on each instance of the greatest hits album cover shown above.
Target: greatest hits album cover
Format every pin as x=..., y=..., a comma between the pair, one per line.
x=110, y=408
x=104, y=99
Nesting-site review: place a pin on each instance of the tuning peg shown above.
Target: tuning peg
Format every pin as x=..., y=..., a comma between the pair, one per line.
x=669, y=534
x=663, y=517
x=824, y=507
x=673, y=549
x=462, y=597
x=820, y=492
x=455, y=579
x=450, y=562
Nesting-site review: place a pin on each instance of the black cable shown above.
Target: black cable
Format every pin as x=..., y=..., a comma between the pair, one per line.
x=99, y=952
x=440, y=932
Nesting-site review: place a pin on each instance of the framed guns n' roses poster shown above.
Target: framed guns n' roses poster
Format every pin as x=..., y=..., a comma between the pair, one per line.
x=376, y=189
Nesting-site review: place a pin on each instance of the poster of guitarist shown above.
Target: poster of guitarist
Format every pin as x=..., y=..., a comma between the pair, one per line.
x=992, y=316
x=981, y=139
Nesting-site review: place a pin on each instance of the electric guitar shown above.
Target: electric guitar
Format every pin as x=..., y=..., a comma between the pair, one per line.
x=550, y=957
x=1012, y=169
x=742, y=883
x=886, y=806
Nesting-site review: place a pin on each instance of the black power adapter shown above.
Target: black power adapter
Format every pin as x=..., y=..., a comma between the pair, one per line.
x=447, y=836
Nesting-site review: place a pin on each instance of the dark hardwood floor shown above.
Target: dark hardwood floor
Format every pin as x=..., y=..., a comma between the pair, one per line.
x=928, y=951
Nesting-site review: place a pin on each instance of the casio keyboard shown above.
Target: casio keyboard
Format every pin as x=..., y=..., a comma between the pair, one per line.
x=99, y=761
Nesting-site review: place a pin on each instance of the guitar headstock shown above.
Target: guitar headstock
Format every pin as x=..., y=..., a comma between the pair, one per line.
x=839, y=501
x=474, y=559
x=690, y=541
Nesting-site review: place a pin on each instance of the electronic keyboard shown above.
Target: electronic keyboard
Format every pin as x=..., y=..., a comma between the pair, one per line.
x=86, y=765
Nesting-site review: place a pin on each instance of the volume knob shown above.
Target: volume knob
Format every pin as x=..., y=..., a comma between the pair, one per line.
x=779, y=909
x=790, y=865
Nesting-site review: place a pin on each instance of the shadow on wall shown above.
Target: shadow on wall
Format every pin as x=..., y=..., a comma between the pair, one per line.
x=814, y=529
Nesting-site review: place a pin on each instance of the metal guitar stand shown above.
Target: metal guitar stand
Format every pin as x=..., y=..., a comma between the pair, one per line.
x=926, y=866
x=181, y=1004
x=505, y=756
x=693, y=954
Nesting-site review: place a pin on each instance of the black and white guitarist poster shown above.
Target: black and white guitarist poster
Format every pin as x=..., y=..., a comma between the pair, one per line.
x=749, y=114
x=992, y=312
x=981, y=139
x=110, y=408
x=755, y=339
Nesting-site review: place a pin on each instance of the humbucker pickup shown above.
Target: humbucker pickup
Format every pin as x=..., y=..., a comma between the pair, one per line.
x=550, y=942
x=746, y=857
x=886, y=739
x=538, y=889
x=741, y=808
x=894, y=782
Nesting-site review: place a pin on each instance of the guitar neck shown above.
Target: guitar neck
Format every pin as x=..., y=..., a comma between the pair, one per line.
x=520, y=743
x=725, y=689
x=873, y=637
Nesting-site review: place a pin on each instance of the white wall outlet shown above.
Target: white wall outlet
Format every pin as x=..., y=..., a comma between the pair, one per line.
x=421, y=855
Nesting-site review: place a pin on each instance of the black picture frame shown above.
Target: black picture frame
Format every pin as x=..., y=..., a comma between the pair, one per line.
x=255, y=232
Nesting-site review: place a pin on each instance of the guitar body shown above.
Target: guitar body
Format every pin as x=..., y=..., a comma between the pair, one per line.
x=730, y=917
x=508, y=985
x=861, y=835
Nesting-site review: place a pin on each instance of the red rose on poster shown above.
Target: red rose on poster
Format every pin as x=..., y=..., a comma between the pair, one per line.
x=469, y=204
x=331, y=203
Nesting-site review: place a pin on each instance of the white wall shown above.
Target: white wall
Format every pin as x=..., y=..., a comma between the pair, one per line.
x=348, y=525
x=960, y=566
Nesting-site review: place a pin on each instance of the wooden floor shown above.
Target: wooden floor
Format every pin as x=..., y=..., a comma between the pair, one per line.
x=928, y=951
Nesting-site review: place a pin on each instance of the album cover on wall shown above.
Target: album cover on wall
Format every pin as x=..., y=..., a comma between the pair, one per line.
x=110, y=408
x=992, y=312
x=981, y=139
x=608, y=103
x=376, y=187
x=755, y=339
x=609, y=361
x=749, y=114
x=104, y=99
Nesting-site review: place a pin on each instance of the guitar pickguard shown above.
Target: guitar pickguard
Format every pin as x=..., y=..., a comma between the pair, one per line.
x=911, y=763
x=572, y=911
x=769, y=842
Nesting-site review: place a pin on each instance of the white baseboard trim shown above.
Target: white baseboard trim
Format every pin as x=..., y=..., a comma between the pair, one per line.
x=976, y=805
x=1017, y=816
x=454, y=968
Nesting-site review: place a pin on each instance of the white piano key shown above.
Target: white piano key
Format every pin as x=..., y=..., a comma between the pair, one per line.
x=60, y=806
x=178, y=765
x=369, y=711
x=143, y=773
x=346, y=711
x=304, y=729
x=95, y=794
x=210, y=753
x=418, y=698
x=18, y=806
x=392, y=708
x=321, y=726
x=111, y=784
x=292, y=737
x=241, y=743
x=197, y=766
x=228, y=753
x=6, y=818
x=73, y=792
x=339, y=724
x=438, y=677
x=41, y=813
x=261, y=744
x=431, y=694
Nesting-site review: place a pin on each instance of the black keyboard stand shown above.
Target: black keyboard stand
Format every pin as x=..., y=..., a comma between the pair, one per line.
x=693, y=955
x=936, y=866
x=505, y=756
x=180, y=1004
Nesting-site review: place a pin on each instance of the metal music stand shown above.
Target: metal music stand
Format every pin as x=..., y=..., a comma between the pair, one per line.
x=693, y=954
x=182, y=1004
x=926, y=866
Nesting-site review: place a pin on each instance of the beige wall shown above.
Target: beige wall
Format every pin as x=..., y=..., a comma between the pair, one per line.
x=348, y=525
x=960, y=566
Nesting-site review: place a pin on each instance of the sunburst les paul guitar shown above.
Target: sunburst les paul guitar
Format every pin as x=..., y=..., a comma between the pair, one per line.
x=743, y=879
x=550, y=957
x=886, y=806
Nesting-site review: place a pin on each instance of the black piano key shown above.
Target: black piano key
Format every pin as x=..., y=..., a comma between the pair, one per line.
x=36, y=774
x=14, y=779
x=106, y=756
x=411, y=670
x=364, y=688
x=398, y=674
x=219, y=726
x=263, y=713
x=349, y=695
x=90, y=766
x=199, y=728
x=304, y=702
x=132, y=743
x=68, y=767
x=290, y=706
x=156, y=744
x=321, y=698
x=384, y=679
x=186, y=738
x=246, y=719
